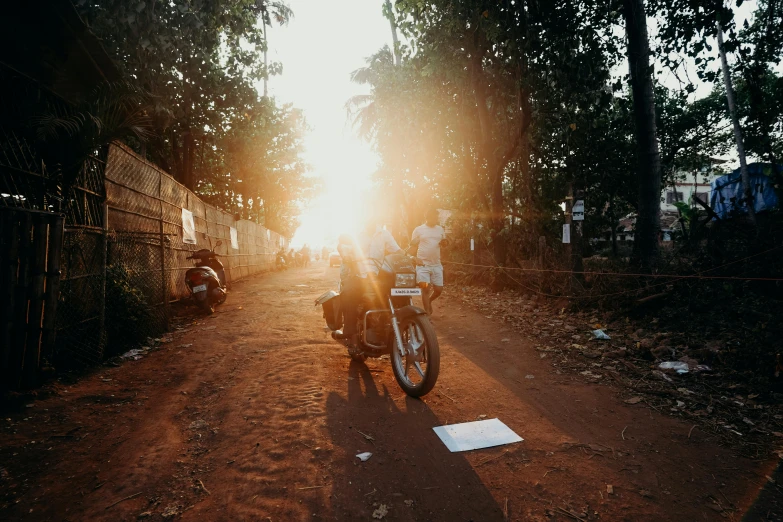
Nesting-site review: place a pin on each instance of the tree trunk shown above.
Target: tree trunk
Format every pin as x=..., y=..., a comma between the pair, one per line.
x=266, y=64
x=746, y=188
x=648, y=212
x=188, y=153
x=395, y=41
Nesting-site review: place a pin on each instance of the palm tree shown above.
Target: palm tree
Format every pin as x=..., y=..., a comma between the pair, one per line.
x=366, y=111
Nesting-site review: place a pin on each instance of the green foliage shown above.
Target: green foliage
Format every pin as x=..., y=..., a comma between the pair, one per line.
x=127, y=310
x=201, y=61
x=67, y=135
x=498, y=106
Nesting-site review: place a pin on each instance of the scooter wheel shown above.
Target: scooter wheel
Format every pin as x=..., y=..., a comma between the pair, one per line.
x=207, y=306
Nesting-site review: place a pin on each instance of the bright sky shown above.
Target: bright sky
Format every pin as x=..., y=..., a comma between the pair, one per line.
x=320, y=47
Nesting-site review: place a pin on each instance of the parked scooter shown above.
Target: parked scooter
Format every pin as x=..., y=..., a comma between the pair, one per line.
x=280, y=262
x=207, y=281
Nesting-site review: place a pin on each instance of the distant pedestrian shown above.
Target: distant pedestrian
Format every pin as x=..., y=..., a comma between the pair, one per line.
x=428, y=238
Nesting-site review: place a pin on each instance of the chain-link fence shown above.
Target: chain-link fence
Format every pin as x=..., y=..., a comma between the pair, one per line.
x=141, y=198
x=80, y=310
x=136, y=304
x=124, y=257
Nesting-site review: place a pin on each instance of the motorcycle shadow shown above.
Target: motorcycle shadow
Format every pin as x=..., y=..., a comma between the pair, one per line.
x=409, y=462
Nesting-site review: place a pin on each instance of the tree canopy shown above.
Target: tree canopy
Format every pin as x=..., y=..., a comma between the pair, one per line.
x=496, y=107
x=201, y=63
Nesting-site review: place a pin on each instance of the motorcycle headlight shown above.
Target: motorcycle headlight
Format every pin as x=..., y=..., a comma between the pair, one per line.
x=405, y=280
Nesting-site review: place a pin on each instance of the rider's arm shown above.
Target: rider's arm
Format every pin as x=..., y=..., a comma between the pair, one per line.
x=390, y=245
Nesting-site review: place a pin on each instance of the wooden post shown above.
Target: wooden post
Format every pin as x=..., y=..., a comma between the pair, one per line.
x=569, y=205
x=52, y=294
x=164, y=289
x=577, y=265
x=20, y=297
x=9, y=221
x=574, y=247
x=541, y=252
x=105, y=272
x=32, y=353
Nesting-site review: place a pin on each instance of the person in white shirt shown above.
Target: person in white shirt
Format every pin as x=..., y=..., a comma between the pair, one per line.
x=362, y=260
x=428, y=239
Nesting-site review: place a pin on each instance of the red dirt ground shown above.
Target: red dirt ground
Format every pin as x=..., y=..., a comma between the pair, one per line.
x=261, y=415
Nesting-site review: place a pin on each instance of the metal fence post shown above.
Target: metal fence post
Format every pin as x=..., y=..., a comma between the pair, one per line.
x=105, y=272
x=163, y=277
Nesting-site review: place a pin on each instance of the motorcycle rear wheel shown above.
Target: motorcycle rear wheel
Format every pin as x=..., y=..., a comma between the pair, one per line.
x=416, y=374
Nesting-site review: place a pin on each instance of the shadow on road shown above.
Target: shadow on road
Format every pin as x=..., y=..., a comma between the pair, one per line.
x=411, y=472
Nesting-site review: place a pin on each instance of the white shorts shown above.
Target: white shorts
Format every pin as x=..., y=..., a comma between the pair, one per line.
x=432, y=274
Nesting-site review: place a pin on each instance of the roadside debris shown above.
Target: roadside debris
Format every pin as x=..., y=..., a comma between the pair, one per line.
x=364, y=457
x=601, y=335
x=381, y=512
x=476, y=435
x=134, y=354
x=171, y=511
x=678, y=366
x=198, y=424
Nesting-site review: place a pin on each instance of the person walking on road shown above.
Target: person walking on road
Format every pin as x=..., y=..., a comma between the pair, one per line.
x=428, y=238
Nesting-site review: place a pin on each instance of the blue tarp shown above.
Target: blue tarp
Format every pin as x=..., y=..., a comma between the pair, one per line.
x=726, y=192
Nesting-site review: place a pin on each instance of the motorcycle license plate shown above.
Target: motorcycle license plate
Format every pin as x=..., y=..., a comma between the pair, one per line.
x=199, y=288
x=406, y=291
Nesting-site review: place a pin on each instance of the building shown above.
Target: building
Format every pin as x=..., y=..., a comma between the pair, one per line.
x=691, y=185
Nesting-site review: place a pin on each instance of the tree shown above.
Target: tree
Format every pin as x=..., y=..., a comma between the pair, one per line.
x=200, y=61
x=648, y=212
x=746, y=187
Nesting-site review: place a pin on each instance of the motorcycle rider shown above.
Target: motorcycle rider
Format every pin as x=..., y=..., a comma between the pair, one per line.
x=428, y=238
x=362, y=259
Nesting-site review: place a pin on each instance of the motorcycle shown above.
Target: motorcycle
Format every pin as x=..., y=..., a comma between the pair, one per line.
x=390, y=324
x=280, y=262
x=207, y=280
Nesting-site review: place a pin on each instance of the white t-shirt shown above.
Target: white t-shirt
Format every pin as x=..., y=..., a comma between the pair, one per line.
x=429, y=243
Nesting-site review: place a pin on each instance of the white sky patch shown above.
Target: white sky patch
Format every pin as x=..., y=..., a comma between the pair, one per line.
x=320, y=47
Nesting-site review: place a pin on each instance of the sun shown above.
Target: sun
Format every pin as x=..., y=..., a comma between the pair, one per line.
x=336, y=210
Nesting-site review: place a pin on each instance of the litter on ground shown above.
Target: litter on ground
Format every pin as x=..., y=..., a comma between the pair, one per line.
x=476, y=435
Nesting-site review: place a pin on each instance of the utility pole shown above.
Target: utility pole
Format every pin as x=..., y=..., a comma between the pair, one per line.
x=572, y=238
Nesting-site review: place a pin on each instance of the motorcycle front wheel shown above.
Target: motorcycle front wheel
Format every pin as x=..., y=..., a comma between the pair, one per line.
x=417, y=371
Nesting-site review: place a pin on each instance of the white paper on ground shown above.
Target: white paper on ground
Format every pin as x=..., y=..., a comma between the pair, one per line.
x=476, y=435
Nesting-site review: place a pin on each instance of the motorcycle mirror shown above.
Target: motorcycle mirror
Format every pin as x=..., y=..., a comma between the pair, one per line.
x=218, y=243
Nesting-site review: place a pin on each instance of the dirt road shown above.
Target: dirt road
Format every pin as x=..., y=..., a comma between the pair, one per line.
x=256, y=414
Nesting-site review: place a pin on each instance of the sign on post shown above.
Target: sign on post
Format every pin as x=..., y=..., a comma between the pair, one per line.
x=566, y=233
x=578, y=211
x=471, y=244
